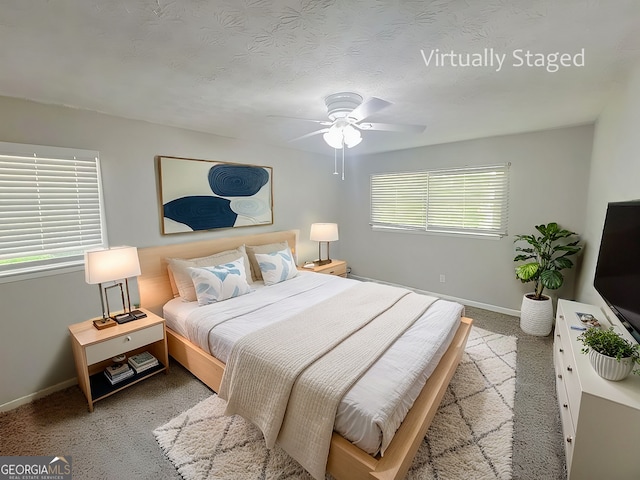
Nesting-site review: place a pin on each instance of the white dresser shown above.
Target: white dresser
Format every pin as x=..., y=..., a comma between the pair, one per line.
x=600, y=418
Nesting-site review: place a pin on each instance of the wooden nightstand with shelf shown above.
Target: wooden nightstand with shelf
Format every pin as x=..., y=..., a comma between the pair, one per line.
x=335, y=267
x=93, y=350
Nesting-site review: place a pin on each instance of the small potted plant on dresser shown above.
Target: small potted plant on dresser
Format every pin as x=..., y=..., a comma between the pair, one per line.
x=545, y=256
x=611, y=355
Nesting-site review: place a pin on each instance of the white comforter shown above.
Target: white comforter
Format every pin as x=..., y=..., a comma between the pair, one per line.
x=384, y=394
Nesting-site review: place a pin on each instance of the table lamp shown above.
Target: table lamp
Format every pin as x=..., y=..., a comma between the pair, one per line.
x=111, y=265
x=323, y=232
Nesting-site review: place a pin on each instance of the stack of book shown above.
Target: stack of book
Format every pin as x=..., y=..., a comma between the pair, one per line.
x=118, y=372
x=143, y=361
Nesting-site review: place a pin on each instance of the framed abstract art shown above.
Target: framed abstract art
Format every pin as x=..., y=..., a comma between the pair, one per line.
x=205, y=195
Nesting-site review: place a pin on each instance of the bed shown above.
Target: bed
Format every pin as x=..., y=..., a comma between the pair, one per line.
x=345, y=460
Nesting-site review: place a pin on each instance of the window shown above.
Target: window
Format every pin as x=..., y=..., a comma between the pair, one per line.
x=50, y=207
x=470, y=200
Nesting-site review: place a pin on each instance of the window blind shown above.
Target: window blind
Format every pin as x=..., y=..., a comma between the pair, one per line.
x=398, y=200
x=470, y=200
x=50, y=206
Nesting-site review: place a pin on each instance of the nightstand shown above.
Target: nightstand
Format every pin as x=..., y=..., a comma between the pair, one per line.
x=336, y=267
x=93, y=350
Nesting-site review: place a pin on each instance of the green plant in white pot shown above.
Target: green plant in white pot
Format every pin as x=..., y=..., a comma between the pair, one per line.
x=545, y=256
x=612, y=356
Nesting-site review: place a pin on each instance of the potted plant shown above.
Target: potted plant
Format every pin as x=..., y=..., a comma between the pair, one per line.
x=546, y=255
x=612, y=356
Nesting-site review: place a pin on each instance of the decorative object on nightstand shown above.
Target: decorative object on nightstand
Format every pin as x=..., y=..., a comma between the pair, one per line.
x=143, y=361
x=323, y=232
x=111, y=265
x=118, y=373
x=335, y=267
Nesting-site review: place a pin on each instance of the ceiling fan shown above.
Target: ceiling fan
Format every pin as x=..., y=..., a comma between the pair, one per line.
x=347, y=112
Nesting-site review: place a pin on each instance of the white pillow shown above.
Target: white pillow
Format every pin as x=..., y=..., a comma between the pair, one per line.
x=179, y=269
x=214, y=284
x=268, y=248
x=276, y=267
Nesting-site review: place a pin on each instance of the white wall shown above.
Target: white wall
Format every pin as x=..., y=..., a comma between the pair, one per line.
x=548, y=178
x=615, y=173
x=34, y=315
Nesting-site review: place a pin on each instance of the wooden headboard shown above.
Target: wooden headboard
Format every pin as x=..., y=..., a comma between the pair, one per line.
x=153, y=283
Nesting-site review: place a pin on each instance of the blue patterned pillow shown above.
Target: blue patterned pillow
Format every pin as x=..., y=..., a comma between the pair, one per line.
x=276, y=267
x=214, y=284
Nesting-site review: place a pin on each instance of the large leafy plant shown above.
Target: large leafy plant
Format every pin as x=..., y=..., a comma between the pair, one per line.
x=546, y=255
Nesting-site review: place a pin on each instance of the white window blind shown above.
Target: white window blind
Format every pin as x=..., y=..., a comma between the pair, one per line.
x=470, y=200
x=50, y=207
x=399, y=200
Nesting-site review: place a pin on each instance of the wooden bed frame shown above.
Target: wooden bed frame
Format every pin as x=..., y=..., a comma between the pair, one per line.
x=346, y=461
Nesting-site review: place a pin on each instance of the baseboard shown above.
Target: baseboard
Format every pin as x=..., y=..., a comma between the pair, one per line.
x=5, y=407
x=464, y=301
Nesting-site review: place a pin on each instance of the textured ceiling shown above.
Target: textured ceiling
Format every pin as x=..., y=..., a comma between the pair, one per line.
x=225, y=67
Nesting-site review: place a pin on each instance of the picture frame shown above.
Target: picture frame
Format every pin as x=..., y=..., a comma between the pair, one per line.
x=197, y=195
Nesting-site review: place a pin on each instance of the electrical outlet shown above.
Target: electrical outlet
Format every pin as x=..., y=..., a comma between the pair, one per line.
x=442, y=278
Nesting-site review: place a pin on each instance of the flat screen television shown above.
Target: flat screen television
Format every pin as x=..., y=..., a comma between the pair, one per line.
x=617, y=277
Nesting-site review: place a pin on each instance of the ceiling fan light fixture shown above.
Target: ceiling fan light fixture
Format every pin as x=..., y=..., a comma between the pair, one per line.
x=341, y=104
x=347, y=112
x=352, y=136
x=334, y=137
x=340, y=135
x=354, y=143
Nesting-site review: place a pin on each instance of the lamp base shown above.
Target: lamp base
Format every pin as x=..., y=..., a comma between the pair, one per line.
x=322, y=262
x=101, y=324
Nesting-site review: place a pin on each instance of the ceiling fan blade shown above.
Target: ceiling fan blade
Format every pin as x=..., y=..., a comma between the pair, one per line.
x=391, y=127
x=321, y=122
x=368, y=108
x=317, y=132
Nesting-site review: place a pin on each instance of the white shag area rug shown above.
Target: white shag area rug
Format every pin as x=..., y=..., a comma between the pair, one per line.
x=471, y=435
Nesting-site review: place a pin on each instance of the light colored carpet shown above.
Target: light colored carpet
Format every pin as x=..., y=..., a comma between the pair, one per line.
x=471, y=435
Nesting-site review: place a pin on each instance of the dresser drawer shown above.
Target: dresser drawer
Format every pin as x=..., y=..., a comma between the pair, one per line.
x=568, y=424
x=124, y=343
x=338, y=270
x=566, y=368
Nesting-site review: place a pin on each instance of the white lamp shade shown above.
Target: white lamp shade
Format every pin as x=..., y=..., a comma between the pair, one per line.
x=339, y=136
x=352, y=136
x=324, y=232
x=334, y=137
x=115, y=263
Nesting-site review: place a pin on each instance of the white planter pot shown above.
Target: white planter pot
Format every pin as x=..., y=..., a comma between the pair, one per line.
x=610, y=368
x=536, y=316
